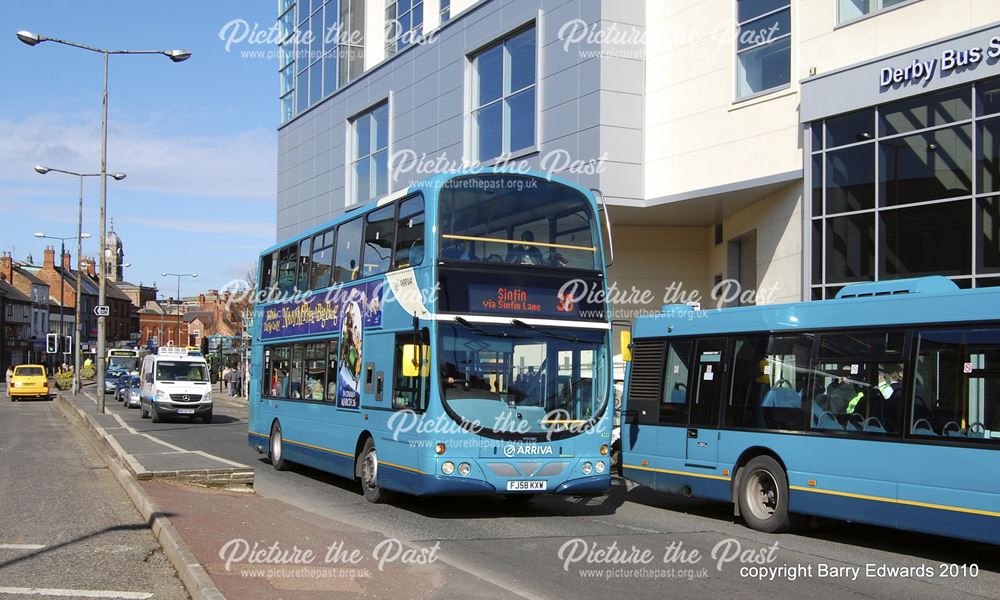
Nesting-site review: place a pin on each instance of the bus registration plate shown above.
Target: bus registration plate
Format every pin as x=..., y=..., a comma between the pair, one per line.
x=526, y=486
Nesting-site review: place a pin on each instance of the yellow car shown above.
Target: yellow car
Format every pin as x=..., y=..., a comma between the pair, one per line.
x=29, y=381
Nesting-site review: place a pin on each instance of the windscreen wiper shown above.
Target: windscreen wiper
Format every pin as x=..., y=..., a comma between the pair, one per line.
x=480, y=331
x=523, y=325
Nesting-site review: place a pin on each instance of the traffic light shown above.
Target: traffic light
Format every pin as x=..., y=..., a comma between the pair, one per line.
x=51, y=343
x=68, y=347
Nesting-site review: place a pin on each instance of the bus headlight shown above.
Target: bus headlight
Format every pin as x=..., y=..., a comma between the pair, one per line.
x=447, y=467
x=439, y=448
x=604, y=450
x=587, y=468
x=464, y=469
x=599, y=466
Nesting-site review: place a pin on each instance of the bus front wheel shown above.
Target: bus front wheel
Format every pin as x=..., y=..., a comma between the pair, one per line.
x=367, y=470
x=276, y=452
x=763, y=495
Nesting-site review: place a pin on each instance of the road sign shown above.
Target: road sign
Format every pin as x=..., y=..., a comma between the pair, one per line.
x=102, y=310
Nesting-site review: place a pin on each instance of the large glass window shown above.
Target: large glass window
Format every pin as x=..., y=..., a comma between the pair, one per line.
x=850, y=248
x=181, y=371
x=503, y=113
x=849, y=10
x=922, y=155
x=351, y=47
x=850, y=179
x=956, y=391
x=370, y=163
x=763, y=49
x=904, y=247
x=523, y=379
x=988, y=240
x=517, y=220
x=348, y=254
x=379, y=233
x=410, y=233
x=404, y=22
x=926, y=166
x=988, y=156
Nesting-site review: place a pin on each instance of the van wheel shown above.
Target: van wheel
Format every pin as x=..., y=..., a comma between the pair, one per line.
x=763, y=495
x=154, y=414
x=366, y=467
x=276, y=450
x=207, y=419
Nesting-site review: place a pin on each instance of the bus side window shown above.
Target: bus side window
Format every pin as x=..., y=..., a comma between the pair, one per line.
x=348, y=253
x=379, y=233
x=410, y=233
x=674, y=401
x=303, y=273
x=956, y=387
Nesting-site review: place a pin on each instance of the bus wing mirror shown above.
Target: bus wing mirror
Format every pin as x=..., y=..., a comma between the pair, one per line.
x=416, y=360
x=626, y=345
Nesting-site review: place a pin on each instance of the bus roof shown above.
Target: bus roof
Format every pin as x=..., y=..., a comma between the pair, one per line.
x=899, y=302
x=433, y=182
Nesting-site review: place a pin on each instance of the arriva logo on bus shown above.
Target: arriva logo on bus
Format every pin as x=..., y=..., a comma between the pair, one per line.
x=526, y=450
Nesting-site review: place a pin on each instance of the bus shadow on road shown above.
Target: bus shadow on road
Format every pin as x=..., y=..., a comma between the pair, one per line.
x=484, y=507
x=918, y=545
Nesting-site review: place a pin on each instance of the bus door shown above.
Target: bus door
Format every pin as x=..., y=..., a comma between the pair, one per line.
x=708, y=383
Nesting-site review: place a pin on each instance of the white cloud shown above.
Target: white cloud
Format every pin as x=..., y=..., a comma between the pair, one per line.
x=237, y=166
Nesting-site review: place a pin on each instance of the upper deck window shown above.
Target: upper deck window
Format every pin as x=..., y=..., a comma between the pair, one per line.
x=517, y=220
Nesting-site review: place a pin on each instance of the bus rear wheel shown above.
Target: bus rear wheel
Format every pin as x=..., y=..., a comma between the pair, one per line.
x=366, y=467
x=763, y=495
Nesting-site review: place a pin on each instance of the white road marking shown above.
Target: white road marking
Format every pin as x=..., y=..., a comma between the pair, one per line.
x=21, y=546
x=75, y=593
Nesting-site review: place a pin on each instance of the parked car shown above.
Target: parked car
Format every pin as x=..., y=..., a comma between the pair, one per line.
x=29, y=381
x=130, y=395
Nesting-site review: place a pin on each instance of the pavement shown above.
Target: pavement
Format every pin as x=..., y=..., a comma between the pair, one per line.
x=148, y=457
x=67, y=529
x=487, y=547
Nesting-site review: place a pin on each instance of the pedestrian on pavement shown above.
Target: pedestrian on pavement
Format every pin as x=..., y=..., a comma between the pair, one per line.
x=9, y=376
x=226, y=374
x=234, y=383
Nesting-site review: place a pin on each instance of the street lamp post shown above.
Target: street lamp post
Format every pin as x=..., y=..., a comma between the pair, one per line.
x=177, y=299
x=62, y=290
x=33, y=39
x=41, y=170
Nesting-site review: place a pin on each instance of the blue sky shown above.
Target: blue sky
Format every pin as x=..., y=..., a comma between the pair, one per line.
x=197, y=139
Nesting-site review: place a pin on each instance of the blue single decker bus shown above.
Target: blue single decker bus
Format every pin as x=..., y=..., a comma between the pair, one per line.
x=881, y=406
x=452, y=338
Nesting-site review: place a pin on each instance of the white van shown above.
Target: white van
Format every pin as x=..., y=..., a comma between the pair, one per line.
x=174, y=383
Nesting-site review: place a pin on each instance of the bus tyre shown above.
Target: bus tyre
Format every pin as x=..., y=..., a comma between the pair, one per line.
x=276, y=450
x=763, y=495
x=367, y=470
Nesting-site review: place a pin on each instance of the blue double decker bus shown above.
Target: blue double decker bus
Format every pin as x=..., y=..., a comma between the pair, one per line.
x=881, y=406
x=452, y=338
